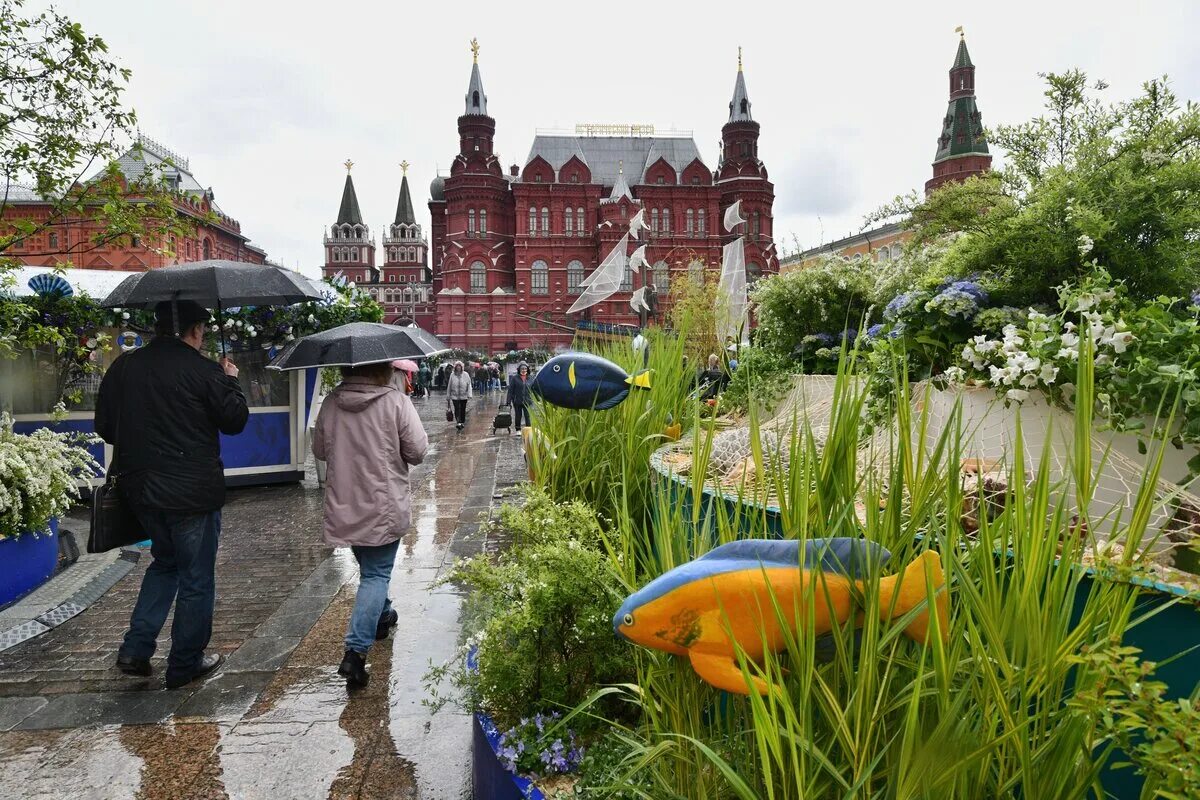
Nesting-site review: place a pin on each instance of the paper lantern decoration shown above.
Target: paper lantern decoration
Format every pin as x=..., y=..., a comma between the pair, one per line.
x=47, y=284
x=728, y=597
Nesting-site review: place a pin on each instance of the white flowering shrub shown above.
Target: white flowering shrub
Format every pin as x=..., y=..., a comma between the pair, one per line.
x=1146, y=356
x=39, y=476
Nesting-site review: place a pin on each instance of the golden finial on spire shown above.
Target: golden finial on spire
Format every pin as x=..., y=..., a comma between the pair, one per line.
x=475, y=49
x=348, y=164
x=959, y=31
x=404, y=166
x=739, y=58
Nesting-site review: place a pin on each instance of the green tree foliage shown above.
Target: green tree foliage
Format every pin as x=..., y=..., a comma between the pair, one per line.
x=1085, y=182
x=827, y=297
x=62, y=117
x=695, y=298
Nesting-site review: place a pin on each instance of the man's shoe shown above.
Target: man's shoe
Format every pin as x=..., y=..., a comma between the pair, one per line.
x=134, y=666
x=208, y=663
x=354, y=669
x=387, y=621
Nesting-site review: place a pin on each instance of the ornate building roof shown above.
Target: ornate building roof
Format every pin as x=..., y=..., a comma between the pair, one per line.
x=604, y=155
x=739, y=106
x=404, y=206
x=962, y=128
x=476, y=99
x=348, y=213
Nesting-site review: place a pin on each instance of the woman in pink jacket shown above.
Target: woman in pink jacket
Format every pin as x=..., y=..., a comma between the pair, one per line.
x=368, y=434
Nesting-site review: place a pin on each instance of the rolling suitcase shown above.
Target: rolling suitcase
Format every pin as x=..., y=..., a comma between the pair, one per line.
x=503, y=419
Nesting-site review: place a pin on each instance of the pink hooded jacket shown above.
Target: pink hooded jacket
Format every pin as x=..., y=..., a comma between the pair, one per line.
x=368, y=435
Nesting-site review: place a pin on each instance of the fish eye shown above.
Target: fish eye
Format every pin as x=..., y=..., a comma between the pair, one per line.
x=628, y=619
x=558, y=367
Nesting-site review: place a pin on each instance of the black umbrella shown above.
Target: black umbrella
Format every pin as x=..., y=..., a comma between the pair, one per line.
x=215, y=284
x=358, y=343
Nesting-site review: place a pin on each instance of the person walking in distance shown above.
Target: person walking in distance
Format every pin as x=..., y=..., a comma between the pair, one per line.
x=458, y=392
x=162, y=408
x=368, y=433
x=518, y=397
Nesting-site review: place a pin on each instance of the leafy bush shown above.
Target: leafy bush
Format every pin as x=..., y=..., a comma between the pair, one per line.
x=762, y=374
x=829, y=296
x=39, y=474
x=540, y=616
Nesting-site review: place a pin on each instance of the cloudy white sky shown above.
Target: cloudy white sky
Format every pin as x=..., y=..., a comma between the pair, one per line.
x=268, y=98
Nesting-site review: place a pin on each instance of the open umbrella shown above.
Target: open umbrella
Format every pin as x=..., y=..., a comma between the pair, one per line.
x=216, y=284
x=355, y=344
x=405, y=365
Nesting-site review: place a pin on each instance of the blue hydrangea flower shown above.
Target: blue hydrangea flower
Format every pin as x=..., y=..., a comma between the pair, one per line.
x=1196, y=298
x=874, y=331
x=972, y=288
x=827, y=339
x=894, y=309
x=954, y=302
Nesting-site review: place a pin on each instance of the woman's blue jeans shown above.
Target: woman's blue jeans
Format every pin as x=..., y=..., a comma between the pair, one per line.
x=371, y=603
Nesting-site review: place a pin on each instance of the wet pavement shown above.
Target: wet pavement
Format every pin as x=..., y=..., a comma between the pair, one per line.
x=277, y=721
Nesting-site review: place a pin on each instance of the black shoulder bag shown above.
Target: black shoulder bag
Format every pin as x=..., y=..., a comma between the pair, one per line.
x=113, y=522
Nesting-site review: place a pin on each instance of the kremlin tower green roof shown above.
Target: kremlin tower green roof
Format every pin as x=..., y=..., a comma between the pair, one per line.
x=962, y=128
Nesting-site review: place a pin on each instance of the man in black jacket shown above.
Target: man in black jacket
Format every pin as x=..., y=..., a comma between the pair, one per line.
x=162, y=409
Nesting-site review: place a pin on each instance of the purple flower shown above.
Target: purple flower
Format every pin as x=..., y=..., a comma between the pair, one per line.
x=1196, y=298
x=850, y=334
x=546, y=757
x=972, y=288
x=874, y=331
x=827, y=339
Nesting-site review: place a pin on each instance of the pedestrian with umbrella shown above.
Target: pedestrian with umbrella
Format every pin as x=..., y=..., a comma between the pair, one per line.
x=369, y=434
x=162, y=408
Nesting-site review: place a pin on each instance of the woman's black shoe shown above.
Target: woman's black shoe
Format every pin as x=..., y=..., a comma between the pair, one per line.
x=354, y=669
x=387, y=621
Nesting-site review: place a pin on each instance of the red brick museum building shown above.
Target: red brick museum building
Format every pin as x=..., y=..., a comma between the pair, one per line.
x=510, y=247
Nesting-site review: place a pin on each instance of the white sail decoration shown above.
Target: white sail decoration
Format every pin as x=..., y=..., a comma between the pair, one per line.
x=732, y=291
x=638, y=258
x=604, y=282
x=733, y=216
x=638, y=301
x=638, y=223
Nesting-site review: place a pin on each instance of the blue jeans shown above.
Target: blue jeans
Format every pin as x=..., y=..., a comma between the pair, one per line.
x=371, y=603
x=183, y=572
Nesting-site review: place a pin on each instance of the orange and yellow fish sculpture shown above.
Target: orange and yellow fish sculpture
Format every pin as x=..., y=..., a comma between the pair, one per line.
x=700, y=609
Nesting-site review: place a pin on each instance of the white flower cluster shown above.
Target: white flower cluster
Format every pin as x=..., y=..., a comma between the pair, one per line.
x=39, y=474
x=1033, y=356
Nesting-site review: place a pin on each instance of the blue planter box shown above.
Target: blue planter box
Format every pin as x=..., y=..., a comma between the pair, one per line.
x=26, y=562
x=489, y=778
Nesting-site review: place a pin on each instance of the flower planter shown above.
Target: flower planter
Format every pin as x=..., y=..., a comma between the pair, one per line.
x=489, y=778
x=1173, y=630
x=26, y=562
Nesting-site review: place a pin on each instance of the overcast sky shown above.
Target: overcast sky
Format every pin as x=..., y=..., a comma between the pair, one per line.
x=268, y=98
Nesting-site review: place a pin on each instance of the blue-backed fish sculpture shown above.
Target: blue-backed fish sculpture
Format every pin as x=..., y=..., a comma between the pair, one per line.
x=585, y=381
x=729, y=596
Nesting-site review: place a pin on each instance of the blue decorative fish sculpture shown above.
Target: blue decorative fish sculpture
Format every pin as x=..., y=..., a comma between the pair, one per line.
x=585, y=381
x=728, y=597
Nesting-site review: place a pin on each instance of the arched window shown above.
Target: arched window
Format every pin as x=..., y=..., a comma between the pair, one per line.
x=700, y=222
x=579, y=222
x=691, y=222
x=696, y=270
x=895, y=251
x=539, y=278
x=475, y=100
x=483, y=222
x=662, y=278
x=627, y=278
x=358, y=233
x=391, y=278
x=568, y=226
x=374, y=294
x=654, y=220
x=753, y=273
x=334, y=232
x=883, y=254
x=532, y=220
x=666, y=221
x=574, y=276
x=478, y=278
x=755, y=229
x=545, y=221
x=470, y=222
x=207, y=249
x=407, y=295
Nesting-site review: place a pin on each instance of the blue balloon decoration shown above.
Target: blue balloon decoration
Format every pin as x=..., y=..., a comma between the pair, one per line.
x=47, y=284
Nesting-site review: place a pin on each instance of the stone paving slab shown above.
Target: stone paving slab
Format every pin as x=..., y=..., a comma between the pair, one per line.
x=104, y=708
x=14, y=710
